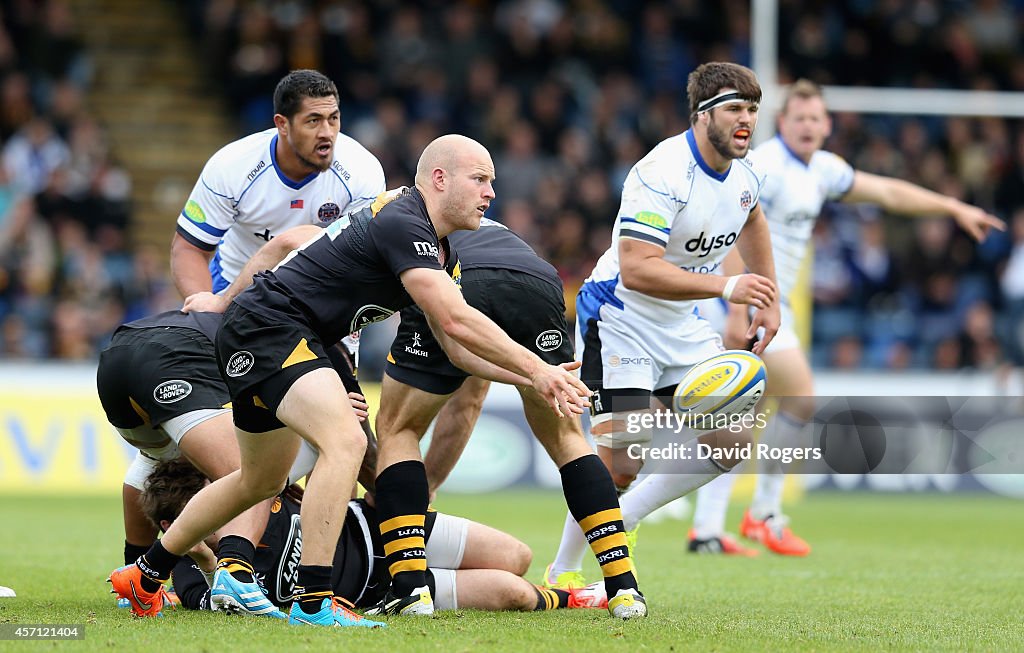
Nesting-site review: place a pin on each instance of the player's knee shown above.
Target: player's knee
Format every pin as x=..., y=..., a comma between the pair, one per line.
x=519, y=595
x=347, y=443
x=800, y=408
x=622, y=480
x=726, y=444
x=258, y=487
x=519, y=557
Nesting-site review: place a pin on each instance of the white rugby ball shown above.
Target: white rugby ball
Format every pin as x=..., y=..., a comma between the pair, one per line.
x=728, y=383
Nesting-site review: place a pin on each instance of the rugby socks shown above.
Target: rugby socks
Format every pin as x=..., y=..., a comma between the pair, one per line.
x=550, y=599
x=664, y=486
x=132, y=552
x=235, y=553
x=570, y=549
x=313, y=587
x=590, y=495
x=156, y=565
x=712, y=503
x=402, y=498
x=784, y=430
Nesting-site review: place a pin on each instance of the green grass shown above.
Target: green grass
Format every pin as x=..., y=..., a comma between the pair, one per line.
x=924, y=572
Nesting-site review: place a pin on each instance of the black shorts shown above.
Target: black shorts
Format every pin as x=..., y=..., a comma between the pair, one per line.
x=260, y=357
x=151, y=375
x=531, y=311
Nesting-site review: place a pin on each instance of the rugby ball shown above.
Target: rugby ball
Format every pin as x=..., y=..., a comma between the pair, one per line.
x=728, y=383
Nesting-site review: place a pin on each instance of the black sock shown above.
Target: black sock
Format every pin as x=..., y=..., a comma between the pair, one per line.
x=133, y=551
x=590, y=495
x=314, y=586
x=402, y=497
x=156, y=565
x=236, y=553
x=550, y=599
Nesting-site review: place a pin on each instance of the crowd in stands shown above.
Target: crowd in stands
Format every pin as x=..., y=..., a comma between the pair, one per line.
x=567, y=96
x=68, y=275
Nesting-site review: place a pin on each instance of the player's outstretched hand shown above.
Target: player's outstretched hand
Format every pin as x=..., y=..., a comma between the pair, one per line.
x=768, y=319
x=563, y=391
x=205, y=302
x=752, y=289
x=977, y=222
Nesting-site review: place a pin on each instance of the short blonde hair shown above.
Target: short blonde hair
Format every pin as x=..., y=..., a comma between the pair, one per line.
x=802, y=88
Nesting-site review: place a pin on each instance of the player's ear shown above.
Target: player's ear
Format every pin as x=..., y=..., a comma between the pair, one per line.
x=439, y=177
x=282, y=124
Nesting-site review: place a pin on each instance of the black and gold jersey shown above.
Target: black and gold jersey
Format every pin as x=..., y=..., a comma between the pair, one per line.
x=495, y=247
x=348, y=277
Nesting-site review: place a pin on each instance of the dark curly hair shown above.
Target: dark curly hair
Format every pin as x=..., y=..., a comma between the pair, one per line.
x=168, y=488
x=298, y=85
x=709, y=79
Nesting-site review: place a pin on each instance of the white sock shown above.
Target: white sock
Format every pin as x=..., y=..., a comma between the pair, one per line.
x=668, y=484
x=571, y=549
x=712, y=503
x=784, y=430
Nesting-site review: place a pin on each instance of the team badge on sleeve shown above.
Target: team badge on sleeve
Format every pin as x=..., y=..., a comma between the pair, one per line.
x=746, y=199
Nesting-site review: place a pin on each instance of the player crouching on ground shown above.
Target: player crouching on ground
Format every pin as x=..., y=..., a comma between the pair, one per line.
x=471, y=565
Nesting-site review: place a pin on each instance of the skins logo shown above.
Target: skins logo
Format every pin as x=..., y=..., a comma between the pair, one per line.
x=169, y=392
x=328, y=212
x=549, y=340
x=368, y=315
x=746, y=199
x=239, y=363
x=707, y=245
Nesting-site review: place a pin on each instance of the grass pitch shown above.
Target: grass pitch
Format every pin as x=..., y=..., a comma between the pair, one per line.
x=907, y=572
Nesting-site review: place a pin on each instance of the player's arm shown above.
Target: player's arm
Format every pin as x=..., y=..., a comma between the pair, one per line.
x=452, y=429
x=265, y=258
x=904, y=198
x=440, y=299
x=755, y=247
x=208, y=214
x=737, y=320
x=467, y=361
x=190, y=267
x=644, y=269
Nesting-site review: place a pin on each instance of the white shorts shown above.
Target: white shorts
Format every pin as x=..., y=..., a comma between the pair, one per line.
x=636, y=353
x=446, y=590
x=715, y=311
x=160, y=443
x=445, y=548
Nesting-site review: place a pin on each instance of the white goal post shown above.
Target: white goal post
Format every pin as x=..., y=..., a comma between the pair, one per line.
x=857, y=99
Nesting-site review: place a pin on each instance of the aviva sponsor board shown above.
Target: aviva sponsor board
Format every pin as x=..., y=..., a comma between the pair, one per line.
x=59, y=442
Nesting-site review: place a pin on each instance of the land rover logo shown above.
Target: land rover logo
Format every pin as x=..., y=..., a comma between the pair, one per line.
x=549, y=340
x=239, y=363
x=169, y=392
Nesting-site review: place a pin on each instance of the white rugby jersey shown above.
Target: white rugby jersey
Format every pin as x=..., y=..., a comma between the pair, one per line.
x=242, y=199
x=792, y=199
x=674, y=199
